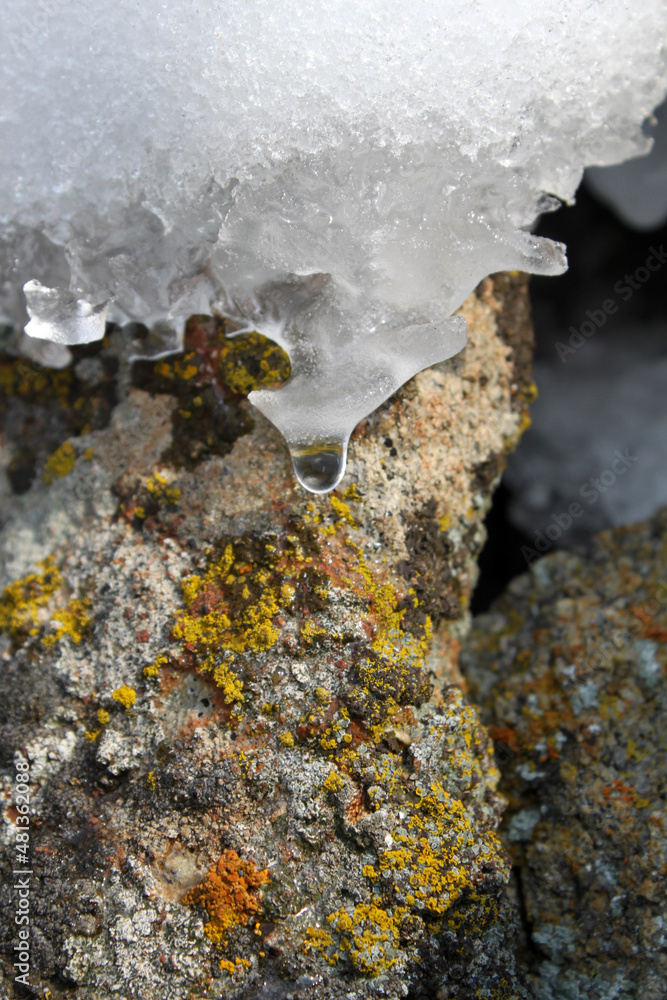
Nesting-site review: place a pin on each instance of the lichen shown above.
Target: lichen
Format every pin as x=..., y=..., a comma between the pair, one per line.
x=230, y=894
x=60, y=463
x=160, y=490
x=73, y=620
x=332, y=782
x=230, y=609
x=367, y=937
x=210, y=382
x=125, y=696
x=153, y=669
x=22, y=600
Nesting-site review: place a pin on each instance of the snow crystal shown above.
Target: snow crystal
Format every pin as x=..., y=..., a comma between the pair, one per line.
x=339, y=176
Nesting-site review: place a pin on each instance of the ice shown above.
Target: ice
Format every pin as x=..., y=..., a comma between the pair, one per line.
x=57, y=315
x=637, y=190
x=339, y=175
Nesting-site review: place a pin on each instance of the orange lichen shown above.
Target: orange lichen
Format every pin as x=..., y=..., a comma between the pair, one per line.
x=649, y=628
x=230, y=894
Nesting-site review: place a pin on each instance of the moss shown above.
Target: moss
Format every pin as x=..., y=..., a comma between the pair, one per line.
x=230, y=894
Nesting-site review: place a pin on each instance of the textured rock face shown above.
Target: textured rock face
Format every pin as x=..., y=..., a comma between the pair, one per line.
x=570, y=668
x=253, y=772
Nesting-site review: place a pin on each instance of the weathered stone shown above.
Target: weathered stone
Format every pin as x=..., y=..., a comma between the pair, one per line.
x=569, y=666
x=203, y=663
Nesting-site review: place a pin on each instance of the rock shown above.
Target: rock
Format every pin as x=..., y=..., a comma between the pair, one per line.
x=253, y=772
x=569, y=668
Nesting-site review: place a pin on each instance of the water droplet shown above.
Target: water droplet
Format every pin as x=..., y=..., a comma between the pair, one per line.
x=320, y=467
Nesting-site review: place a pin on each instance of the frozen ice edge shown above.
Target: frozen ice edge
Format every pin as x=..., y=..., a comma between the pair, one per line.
x=394, y=158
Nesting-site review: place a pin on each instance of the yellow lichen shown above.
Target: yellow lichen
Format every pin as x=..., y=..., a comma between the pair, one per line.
x=229, y=612
x=332, y=782
x=60, y=463
x=286, y=739
x=22, y=600
x=102, y=716
x=317, y=939
x=366, y=937
x=125, y=696
x=73, y=620
x=153, y=669
x=151, y=780
x=343, y=512
x=437, y=875
x=310, y=631
x=240, y=370
x=159, y=488
x=352, y=493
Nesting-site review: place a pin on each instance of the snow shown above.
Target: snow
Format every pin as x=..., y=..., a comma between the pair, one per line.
x=339, y=174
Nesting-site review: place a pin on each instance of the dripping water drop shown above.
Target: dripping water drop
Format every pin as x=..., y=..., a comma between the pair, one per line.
x=319, y=467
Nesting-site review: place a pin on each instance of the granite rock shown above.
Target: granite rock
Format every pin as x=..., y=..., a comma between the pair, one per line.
x=253, y=770
x=569, y=670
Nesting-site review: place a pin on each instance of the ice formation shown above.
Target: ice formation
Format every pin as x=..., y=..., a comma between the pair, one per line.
x=338, y=176
x=637, y=190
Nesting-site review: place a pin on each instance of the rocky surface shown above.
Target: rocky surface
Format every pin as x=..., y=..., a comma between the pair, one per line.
x=253, y=772
x=569, y=666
